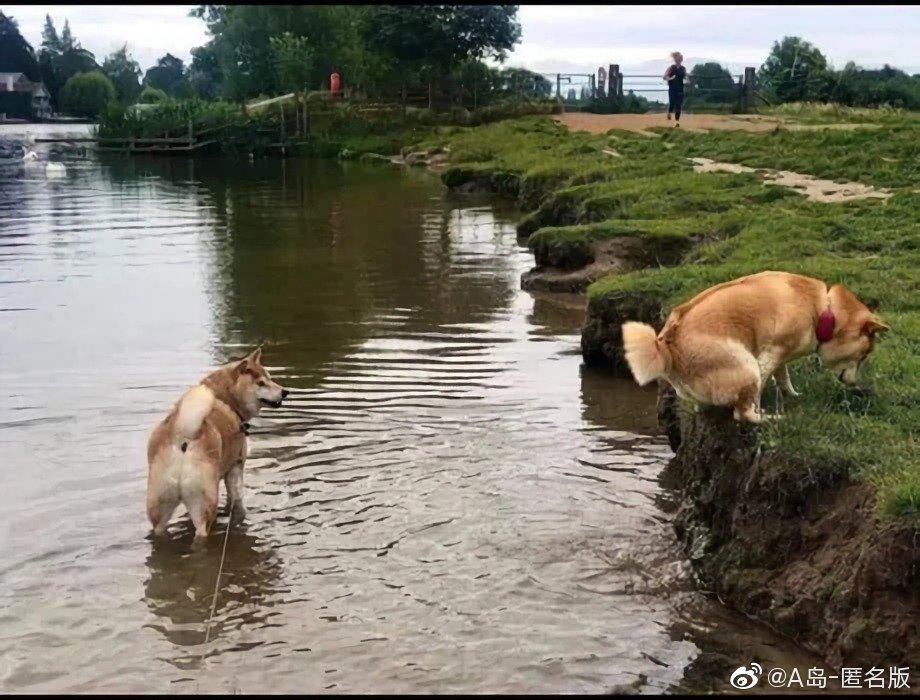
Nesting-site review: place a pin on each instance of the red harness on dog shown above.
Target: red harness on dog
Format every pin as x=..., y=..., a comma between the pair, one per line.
x=824, y=331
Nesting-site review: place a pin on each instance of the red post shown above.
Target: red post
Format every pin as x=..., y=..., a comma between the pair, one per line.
x=335, y=85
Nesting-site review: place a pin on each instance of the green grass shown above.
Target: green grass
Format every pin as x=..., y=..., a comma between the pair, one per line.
x=576, y=196
x=873, y=249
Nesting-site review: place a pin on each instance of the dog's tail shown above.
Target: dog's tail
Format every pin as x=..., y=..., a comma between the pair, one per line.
x=645, y=356
x=194, y=407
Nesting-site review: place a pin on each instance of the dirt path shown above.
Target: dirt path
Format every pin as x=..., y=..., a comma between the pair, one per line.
x=602, y=123
x=640, y=123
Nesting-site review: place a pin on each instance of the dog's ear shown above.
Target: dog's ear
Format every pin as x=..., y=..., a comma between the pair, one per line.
x=255, y=356
x=873, y=326
x=241, y=367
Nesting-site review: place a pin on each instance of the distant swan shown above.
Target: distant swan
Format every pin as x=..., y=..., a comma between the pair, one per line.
x=29, y=156
x=55, y=168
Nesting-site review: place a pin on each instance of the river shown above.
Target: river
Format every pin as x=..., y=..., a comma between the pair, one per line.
x=447, y=502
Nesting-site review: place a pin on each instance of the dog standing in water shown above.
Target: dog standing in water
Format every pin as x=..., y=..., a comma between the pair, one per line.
x=203, y=440
x=721, y=347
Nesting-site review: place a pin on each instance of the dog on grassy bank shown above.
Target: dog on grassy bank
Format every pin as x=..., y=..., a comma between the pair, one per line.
x=721, y=347
x=203, y=441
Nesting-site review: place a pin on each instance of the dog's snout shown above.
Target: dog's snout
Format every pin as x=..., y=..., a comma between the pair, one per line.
x=284, y=393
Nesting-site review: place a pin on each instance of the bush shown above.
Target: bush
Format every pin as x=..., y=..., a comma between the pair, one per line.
x=151, y=95
x=87, y=94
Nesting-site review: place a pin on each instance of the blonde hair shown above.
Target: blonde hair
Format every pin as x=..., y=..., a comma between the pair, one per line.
x=677, y=55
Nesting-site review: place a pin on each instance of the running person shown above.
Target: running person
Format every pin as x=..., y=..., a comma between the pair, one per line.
x=675, y=75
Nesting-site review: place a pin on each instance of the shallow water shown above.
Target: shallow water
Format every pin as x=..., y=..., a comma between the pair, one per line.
x=447, y=502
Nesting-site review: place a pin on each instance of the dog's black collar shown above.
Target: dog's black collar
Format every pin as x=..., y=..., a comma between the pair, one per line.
x=244, y=425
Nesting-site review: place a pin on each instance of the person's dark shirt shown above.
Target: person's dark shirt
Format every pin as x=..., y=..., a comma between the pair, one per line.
x=676, y=84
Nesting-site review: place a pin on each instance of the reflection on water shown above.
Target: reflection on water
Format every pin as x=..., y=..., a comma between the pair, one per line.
x=446, y=503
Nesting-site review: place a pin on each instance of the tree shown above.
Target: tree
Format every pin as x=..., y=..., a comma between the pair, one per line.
x=431, y=40
x=293, y=61
x=49, y=60
x=520, y=82
x=16, y=54
x=205, y=75
x=150, y=96
x=713, y=83
x=795, y=71
x=87, y=94
x=125, y=74
x=61, y=58
x=167, y=75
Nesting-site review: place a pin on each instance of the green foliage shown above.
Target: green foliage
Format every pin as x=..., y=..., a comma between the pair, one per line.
x=170, y=117
x=293, y=61
x=86, y=94
x=61, y=58
x=713, y=83
x=205, y=76
x=125, y=74
x=262, y=49
x=795, y=71
x=168, y=75
x=151, y=95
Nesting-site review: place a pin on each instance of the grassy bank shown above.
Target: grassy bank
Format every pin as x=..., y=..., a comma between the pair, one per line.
x=320, y=128
x=580, y=189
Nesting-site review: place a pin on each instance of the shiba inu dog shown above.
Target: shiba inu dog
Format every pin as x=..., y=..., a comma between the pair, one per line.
x=203, y=440
x=721, y=347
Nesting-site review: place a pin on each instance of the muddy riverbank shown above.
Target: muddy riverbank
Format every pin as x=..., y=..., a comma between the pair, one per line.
x=787, y=524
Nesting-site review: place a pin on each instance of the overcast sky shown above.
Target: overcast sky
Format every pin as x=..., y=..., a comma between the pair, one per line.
x=559, y=37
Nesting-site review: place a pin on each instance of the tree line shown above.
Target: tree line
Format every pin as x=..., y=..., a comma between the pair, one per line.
x=385, y=51
x=75, y=80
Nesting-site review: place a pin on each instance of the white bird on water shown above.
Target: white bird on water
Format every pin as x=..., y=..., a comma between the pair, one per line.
x=29, y=156
x=55, y=168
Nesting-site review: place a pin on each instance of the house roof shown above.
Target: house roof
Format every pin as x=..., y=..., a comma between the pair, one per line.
x=16, y=76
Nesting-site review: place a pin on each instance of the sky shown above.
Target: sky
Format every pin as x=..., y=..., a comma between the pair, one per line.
x=560, y=38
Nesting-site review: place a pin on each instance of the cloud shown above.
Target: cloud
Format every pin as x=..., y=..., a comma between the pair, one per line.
x=559, y=38
x=149, y=30
x=594, y=35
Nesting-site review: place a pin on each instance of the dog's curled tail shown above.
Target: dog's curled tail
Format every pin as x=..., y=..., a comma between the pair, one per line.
x=194, y=407
x=644, y=354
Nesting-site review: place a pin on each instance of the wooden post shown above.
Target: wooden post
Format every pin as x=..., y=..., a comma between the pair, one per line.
x=612, y=73
x=558, y=85
x=749, y=76
x=281, y=108
x=296, y=116
x=306, y=124
x=619, y=84
x=191, y=133
x=593, y=86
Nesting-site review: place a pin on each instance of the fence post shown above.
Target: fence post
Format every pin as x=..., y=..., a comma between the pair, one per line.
x=749, y=76
x=306, y=124
x=612, y=74
x=191, y=133
x=593, y=87
x=281, y=108
x=558, y=85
